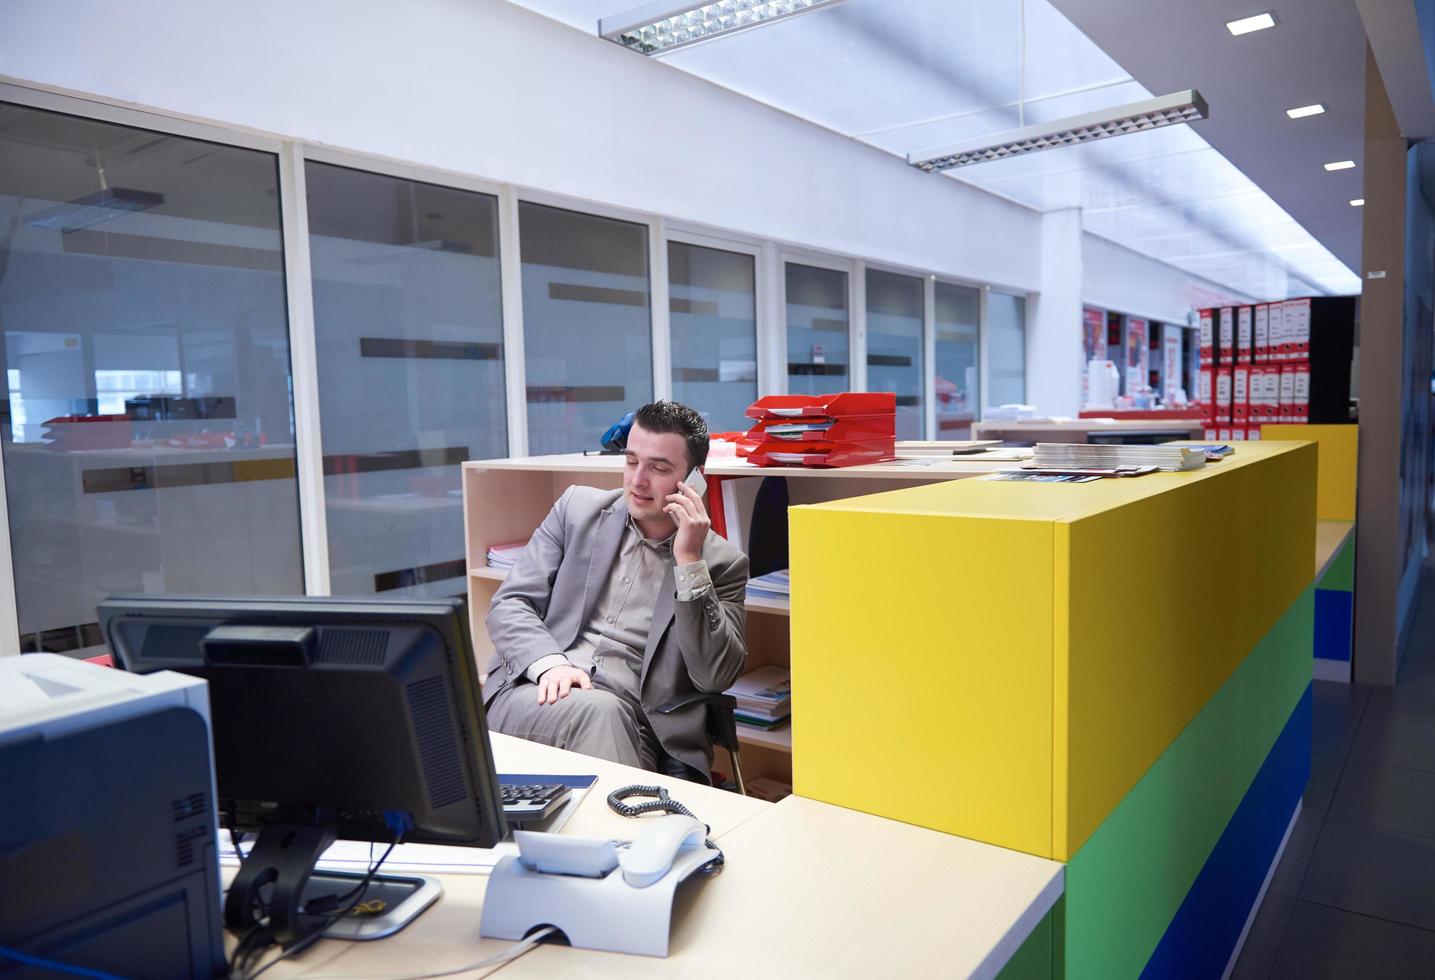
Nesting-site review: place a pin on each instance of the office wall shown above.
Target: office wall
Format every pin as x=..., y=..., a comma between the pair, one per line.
x=1116, y=278
x=490, y=89
x=1395, y=348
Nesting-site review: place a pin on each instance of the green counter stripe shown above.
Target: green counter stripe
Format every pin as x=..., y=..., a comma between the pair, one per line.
x=1038, y=957
x=1125, y=884
x=1340, y=573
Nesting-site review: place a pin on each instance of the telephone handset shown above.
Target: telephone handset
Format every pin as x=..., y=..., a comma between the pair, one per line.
x=697, y=481
x=643, y=862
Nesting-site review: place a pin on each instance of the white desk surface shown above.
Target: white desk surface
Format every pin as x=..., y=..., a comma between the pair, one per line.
x=1092, y=425
x=809, y=889
x=924, y=470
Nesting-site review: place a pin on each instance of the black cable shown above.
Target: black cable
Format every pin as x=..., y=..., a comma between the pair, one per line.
x=661, y=803
x=356, y=894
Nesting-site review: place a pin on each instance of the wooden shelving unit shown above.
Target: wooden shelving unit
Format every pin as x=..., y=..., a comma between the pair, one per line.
x=505, y=500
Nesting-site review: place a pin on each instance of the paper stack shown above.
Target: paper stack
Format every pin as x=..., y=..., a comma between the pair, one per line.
x=504, y=555
x=773, y=585
x=1080, y=456
x=764, y=697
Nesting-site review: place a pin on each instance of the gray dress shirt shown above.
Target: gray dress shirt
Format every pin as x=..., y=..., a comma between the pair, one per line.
x=610, y=645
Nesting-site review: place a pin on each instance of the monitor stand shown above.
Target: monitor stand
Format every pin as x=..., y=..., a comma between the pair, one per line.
x=404, y=897
x=279, y=874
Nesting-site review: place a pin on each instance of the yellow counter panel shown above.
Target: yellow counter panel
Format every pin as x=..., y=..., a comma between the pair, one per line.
x=1024, y=652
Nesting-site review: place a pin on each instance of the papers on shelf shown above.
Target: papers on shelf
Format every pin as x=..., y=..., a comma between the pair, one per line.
x=773, y=585
x=504, y=555
x=1167, y=457
x=764, y=697
x=942, y=449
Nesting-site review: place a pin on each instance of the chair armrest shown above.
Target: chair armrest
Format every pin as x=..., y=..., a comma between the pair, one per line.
x=726, y=701
x=722, y=726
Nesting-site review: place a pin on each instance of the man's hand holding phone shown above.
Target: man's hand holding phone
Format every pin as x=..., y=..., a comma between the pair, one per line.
x=690, y=515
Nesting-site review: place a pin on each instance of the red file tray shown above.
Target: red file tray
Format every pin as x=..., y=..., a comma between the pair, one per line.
x=811, y=408
x=840, y=430
x=822, y=454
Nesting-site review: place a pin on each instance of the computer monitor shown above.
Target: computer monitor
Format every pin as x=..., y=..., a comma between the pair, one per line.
x=332, y=717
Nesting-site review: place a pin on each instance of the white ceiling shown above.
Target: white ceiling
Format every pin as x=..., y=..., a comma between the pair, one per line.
x=908, y=75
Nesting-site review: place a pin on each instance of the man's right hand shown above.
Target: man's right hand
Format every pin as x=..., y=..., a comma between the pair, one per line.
x=555, y=683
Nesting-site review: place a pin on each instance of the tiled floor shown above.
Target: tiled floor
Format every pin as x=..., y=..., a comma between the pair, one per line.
x=1354, y=895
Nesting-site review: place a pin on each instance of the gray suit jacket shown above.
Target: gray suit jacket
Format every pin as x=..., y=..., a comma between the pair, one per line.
x=547, y=598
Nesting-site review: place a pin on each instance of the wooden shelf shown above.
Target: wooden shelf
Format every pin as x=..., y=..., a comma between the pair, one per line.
x=779, y=738
x=777, y=607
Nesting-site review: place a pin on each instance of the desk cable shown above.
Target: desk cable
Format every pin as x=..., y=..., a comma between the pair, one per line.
x=491, y=963
x=661, y=802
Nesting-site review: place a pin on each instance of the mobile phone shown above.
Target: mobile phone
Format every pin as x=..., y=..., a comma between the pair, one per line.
x=695, y=480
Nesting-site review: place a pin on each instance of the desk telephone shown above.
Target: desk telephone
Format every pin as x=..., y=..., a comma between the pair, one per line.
x=643, y=862
x=601, y=894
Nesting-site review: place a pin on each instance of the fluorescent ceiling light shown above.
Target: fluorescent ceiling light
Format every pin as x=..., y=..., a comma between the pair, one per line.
x=1306, y=110
x=94, y=209
x=1340, y=165
x=663, y=25
x=1359, y=202
x=1135, y=117
x=1246, y=25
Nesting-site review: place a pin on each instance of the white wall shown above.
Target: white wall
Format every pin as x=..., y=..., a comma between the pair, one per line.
x=1115, y=278
x=1054, y=350
x=486, y=88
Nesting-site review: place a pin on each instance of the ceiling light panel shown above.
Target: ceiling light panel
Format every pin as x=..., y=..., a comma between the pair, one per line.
x=1341, y=165
x=1359, y=202
x=1256, y=22
x=1305, y=110
x=659, y=27
x=1136, y=117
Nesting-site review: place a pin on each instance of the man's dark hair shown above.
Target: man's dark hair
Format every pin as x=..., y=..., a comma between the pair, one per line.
x=676, y=417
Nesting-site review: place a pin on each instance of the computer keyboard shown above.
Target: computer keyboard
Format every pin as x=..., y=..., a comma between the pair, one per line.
x=526, y=803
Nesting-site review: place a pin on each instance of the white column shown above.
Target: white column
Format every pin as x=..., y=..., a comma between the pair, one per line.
x=1053, y=325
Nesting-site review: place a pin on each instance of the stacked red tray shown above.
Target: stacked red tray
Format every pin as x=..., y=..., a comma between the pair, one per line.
x=845, y=429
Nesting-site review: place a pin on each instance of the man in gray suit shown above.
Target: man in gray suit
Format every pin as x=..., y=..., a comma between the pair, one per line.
x=624, y=600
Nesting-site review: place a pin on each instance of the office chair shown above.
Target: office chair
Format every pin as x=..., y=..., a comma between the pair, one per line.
x=722, y=726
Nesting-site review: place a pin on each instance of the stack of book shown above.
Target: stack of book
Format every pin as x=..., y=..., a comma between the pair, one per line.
x=504, y=555
x=764, y=697
x=1080, y=456
x=773, y=585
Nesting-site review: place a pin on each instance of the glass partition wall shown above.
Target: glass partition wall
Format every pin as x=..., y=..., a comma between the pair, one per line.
x=148, y=435
x=818, y=328
x=958, y=318
x=895, y=320
x=408, y=331
x=587, y=332
x=712, y=303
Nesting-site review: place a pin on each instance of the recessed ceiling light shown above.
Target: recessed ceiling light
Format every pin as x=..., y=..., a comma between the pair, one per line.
x=1340, y=165
x=1306, y=110
x=1246, y=25
x=1359, y=202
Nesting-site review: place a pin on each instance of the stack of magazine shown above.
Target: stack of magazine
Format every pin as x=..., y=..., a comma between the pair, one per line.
x=764, y=697
x=1081, y=456
x=773, y=585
